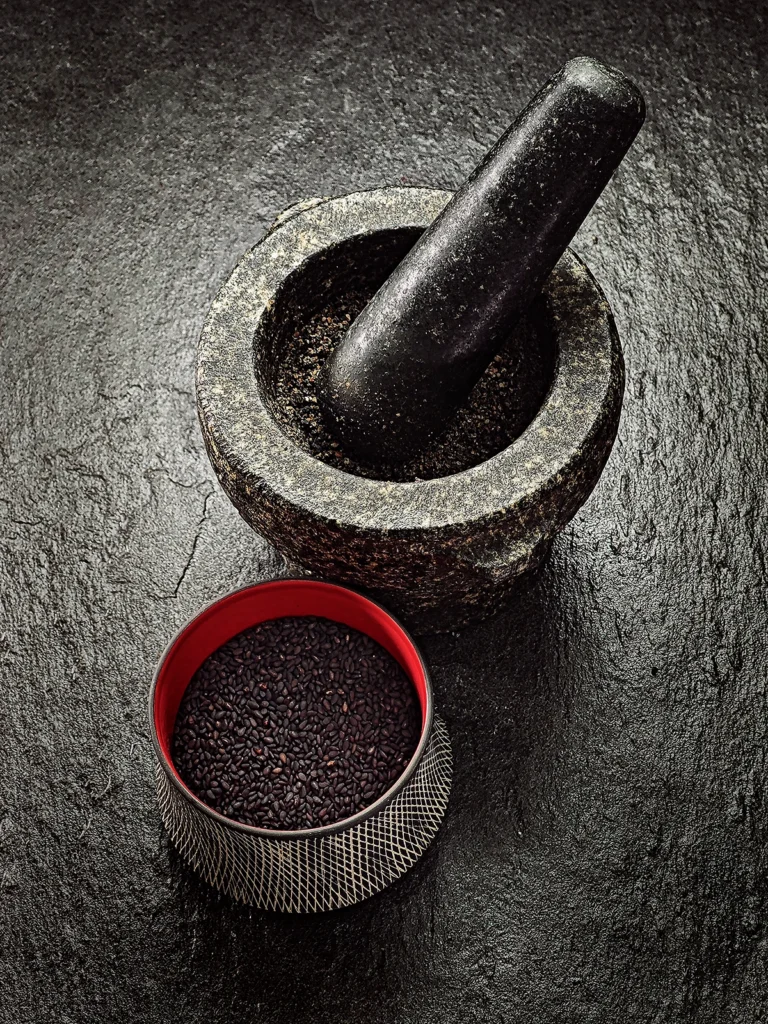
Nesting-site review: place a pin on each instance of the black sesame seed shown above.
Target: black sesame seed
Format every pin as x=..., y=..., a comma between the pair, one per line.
x=314, y=755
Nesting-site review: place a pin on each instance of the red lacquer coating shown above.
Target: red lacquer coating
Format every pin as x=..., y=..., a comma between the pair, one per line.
x=232, y=614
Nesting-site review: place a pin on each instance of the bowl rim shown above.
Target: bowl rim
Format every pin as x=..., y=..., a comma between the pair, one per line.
x=345, y=824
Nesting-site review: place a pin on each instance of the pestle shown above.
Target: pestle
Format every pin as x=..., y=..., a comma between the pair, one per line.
x=413, y=355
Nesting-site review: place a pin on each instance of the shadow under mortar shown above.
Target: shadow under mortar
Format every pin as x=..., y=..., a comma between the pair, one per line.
x=440, y=552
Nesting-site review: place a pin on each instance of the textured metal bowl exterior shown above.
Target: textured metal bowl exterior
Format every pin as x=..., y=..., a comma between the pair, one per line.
x=325, y=872
x=441, y=552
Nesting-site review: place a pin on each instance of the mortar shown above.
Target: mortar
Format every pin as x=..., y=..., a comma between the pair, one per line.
x=442, y=552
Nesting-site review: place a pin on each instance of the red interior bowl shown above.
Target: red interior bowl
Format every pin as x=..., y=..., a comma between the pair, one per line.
x=232, y=614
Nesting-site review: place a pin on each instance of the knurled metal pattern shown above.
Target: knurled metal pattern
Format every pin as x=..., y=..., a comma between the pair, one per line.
x=323, y=872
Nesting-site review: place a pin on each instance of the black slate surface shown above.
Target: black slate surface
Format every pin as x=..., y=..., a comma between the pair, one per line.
x=604, y=854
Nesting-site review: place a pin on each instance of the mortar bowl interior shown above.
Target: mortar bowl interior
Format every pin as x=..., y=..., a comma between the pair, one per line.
x=346, y=275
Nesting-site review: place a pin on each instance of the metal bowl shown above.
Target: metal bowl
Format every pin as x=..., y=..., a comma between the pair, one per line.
x=311, y=869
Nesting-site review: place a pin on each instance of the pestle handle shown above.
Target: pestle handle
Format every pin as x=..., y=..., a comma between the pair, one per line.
x=413, y=355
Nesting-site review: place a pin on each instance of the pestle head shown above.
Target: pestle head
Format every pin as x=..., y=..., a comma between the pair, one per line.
x=413, y=355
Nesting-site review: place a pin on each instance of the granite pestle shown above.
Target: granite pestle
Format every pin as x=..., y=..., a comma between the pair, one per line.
x=413, y=355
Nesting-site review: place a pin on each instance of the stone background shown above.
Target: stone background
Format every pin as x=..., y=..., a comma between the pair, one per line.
x=605, y=854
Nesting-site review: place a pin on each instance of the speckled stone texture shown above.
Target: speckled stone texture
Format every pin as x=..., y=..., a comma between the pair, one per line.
x=605, y=852
x=442, y=552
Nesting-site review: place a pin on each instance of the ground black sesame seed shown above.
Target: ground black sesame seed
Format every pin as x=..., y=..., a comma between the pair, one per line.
x=502, y=404
x=314, y=755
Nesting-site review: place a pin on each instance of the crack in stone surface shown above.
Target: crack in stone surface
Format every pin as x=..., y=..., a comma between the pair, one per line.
x=193, y=549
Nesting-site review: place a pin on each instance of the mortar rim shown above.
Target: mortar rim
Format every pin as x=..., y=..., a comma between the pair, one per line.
x=250, y=451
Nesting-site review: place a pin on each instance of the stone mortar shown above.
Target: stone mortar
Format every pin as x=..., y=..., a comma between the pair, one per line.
x=441, y=553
